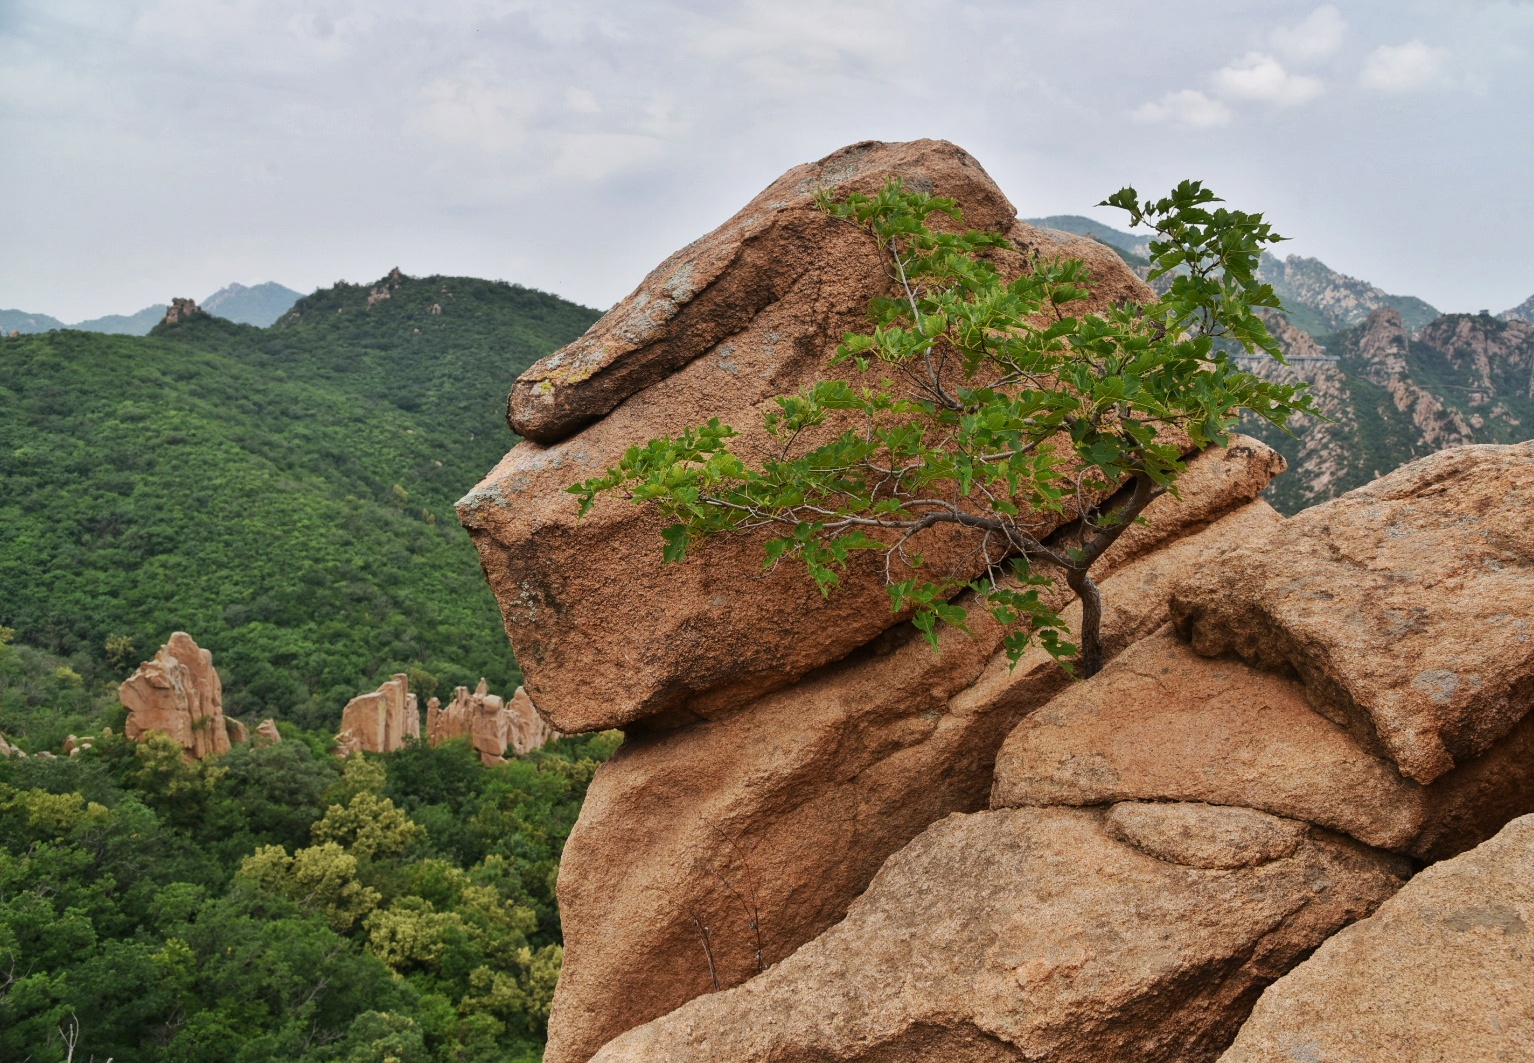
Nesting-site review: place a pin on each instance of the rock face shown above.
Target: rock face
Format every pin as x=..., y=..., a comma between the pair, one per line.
x=1060, y=934
x=381, y=721
x=181, y=310
x=704, y=853
x=1161, y=722
x=605, y=634
x=266, y=731
x=8, y=750
x=179, y=694
x=491, y=725
x=1439, y=972
x=1339, y=595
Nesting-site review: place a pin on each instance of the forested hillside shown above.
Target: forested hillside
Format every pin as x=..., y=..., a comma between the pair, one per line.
x=285, y=494
x=274, y=903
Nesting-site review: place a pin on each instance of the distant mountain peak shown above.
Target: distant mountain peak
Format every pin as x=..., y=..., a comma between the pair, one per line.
x=1524, y=311
x=257, y=304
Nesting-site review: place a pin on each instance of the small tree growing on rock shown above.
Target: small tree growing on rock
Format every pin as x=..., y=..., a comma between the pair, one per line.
x=1000, y=414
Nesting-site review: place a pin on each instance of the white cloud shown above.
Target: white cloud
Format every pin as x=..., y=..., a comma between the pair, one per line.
x=1188, y=107
x=1402, y=67
x=1259, y=76
x=1316, y=38
x=470, y=112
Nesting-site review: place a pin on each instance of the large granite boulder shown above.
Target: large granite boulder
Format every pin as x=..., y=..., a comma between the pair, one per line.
x=1134, y=934
x=705, y=853
x=179, y=694
x=381, y=721
x=606, y=635
x=1406, y=606
x=1163, y=723
x=1439, y=972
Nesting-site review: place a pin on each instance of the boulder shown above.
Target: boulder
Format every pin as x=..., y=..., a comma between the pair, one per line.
x=1406, y=606
x=606, y=635
x=1073, y=935
x=239, y=734
x=1439, y=972
x=8, y=750
x=743, y=836
x=266, y=731
x=1163, y=723
x=381, y=721
x=177, y=693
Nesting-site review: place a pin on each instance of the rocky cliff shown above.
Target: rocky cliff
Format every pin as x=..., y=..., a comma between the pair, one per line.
x=381, y=721
x=179, y=694
x=821, y=840
x=1389, y=396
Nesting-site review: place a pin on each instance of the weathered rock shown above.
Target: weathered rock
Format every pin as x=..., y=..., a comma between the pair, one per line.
x=1439, y=972
x=266, y=731
x=1199, y=835
x=1163, y=723
x=8, y=750
x=381, y=721
x=1406, y=606
x=795, y=800
x=527, y=728
x=491, y=725
x=1036, y=934
x=239, y=734
x=607, y=635
x=181, y=310
x=177, y=693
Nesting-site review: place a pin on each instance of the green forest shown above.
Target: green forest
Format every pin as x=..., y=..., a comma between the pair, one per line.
x=284, y=494
x=274, y=903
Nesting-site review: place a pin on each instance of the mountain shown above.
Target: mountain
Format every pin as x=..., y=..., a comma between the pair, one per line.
x=21, y=321
x=1388, y=397
x=1321, y=300
x=1317, y=298
x=137, y=324
x=1524, y=311
x=1132, y=248
x=285, y=494
x=259, y=305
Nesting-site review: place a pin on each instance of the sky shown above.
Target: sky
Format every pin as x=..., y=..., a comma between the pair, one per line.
x=159, y=148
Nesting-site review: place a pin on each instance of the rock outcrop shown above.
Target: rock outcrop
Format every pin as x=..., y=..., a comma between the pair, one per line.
x=820, y=840
x=705, y=853
x=1406, y=607
x=381, y=721
x=266, y=731
x=179, y=694
x=8, y=750
x=491, y=725
x=1439, y=972
x=605, y=634
x=1071, y=935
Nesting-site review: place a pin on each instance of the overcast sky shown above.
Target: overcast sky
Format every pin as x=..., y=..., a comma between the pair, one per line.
x=154, y=148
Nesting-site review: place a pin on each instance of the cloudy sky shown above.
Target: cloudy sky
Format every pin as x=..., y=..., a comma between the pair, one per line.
x=167, y=147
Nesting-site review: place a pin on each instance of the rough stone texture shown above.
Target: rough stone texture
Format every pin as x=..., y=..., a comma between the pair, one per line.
x=8, y=750
x=1406, y=606
x=491, y=725
x=239, y=734
x=1162, y=723
x=526, y=727
x=1033, y=934
x=1439, y=973
x=179, y=694
x=381, y=721
x=266, y=731
x=604, y=633
x=796, y=799
x=1198, y=835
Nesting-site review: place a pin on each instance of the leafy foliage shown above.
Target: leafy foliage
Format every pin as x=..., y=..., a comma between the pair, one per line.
x=274, y=903
x=1005, y=410
x=284, y=494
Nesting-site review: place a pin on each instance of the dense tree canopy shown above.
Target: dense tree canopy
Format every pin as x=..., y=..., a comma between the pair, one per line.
x=284, y=494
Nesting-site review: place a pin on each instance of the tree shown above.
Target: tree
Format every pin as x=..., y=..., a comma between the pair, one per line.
x=1001, y=414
